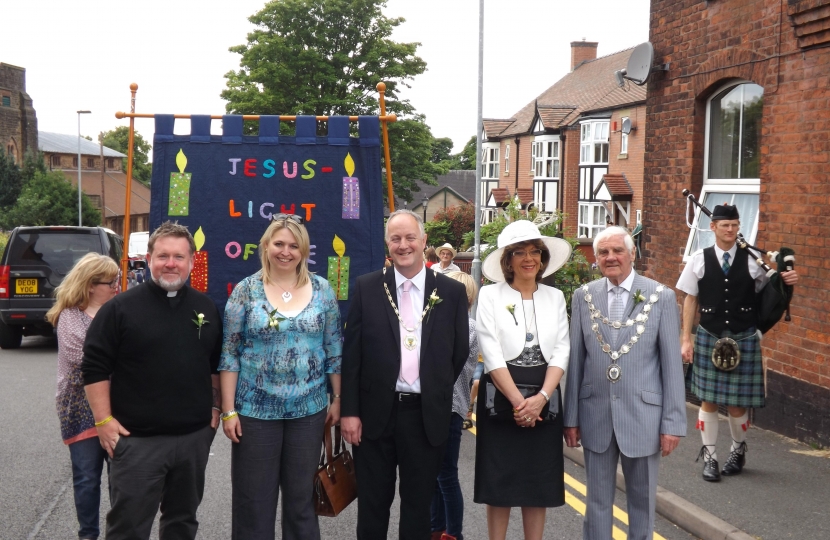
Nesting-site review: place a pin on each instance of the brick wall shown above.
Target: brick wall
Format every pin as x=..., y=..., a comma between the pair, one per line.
x=582, y=51
x=709, y=44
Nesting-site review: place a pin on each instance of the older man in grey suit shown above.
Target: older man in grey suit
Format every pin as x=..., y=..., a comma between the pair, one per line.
x=624, y=396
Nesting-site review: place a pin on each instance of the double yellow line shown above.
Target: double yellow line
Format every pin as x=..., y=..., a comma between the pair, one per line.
x=579, y=506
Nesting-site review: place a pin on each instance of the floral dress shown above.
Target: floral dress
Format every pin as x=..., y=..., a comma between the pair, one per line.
x=76, y=420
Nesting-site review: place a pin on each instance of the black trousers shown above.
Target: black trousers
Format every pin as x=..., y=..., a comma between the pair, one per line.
x=403, y=447
x=164, y=472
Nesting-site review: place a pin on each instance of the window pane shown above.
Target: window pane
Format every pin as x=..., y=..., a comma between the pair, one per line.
x=555, y=150
x=556, y=169
x=586, y=132
x=751, y=131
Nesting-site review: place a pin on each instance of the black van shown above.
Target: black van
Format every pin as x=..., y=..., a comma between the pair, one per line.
x=35, y=261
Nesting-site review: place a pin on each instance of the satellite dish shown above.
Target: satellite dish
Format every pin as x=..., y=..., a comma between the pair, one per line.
x=639, y=63
x=626, y=125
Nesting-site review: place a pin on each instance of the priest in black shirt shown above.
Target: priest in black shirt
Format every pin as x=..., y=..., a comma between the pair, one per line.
x=149, y=367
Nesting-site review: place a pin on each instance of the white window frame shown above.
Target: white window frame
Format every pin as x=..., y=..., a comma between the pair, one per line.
x=725, y=186
x=623, y=138
x=546, y=157
x=587, y=228
x=507, y=159
x=490, y=160
x=594, y=135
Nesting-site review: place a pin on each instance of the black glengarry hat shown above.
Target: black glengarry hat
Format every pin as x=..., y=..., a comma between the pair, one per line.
x=725, y=211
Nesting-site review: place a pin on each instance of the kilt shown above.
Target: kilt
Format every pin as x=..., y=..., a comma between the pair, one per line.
x=741, y=387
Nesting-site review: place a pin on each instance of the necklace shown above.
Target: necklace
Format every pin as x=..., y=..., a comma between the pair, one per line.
x=528, y=333
x=410, y=340
x=614, y=370
x=286, y=296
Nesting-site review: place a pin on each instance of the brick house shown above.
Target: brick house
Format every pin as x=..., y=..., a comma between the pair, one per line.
x=568, y=147
x=18, y=119
x=743, y=115
x=101, y=178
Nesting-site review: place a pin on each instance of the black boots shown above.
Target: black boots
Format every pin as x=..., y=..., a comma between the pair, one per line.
x=735, y=464
x=711, y=471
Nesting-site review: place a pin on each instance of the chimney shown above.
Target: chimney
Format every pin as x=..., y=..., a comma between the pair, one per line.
x=582, y=51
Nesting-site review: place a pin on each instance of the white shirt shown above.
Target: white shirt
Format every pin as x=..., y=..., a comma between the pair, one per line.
x=695, y=268
x=626, y=286
x=416, y=292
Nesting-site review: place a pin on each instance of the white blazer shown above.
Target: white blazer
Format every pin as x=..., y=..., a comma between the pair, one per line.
x=501, y=339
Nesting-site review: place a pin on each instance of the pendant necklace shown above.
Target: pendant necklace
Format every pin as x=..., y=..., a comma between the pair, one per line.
x=286, y=296
x=528, y=333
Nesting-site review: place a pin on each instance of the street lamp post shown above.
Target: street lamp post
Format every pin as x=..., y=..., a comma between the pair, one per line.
x=80, y=215
x=425, y=203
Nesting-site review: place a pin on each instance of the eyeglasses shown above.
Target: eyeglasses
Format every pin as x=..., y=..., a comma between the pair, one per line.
x=522, y=253
x=112, y=284
x=293, y=217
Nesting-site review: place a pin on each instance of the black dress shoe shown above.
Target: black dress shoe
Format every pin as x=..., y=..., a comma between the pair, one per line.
x=735, y=464
x=711, y=471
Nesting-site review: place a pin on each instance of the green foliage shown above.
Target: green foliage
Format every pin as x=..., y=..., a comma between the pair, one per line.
x=118, y=139
x=4, y=239
x=567, y=279
x=33, y=163
x=48, y=199
x=11, y=182
x=464, y=160
x=410, y=151
x=461, y=219
x=322, y=57
x=438, y=232
x=326, y=57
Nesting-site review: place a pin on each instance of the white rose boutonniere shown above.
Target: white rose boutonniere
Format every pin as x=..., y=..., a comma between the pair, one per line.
x=638, y=298
x=512, y=309
x=273, y=318
x=433, y=300
x=200, y=321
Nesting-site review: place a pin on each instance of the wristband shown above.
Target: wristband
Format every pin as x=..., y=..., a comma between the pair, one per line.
x=104, y=421
x=335, y=396
x=217, y=409
x=545, y=394
x=228, y=415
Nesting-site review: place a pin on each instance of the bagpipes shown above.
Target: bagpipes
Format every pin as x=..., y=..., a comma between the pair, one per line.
x=774, y=299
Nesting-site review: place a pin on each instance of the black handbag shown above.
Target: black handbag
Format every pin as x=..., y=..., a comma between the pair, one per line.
x=499, y=407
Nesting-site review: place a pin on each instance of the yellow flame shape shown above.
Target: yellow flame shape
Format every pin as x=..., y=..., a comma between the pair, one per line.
x=181, y=161
x=199, y=238
x=338, y=245
x=349, y=163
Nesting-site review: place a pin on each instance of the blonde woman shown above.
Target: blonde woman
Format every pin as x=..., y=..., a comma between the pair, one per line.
x=91, y=283
x=282, y=341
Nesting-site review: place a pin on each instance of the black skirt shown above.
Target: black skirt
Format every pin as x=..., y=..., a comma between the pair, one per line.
x=518, y=466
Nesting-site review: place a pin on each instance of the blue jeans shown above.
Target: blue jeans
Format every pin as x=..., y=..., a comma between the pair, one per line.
x=448, y=502
x=87, y=464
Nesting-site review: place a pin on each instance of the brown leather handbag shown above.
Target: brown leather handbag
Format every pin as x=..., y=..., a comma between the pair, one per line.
x=335, y=486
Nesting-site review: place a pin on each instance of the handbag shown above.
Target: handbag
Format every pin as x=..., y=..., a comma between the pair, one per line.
x=499, y=407
x=335, y=486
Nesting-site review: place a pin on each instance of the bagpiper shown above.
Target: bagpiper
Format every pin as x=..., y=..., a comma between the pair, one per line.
x=723, y=284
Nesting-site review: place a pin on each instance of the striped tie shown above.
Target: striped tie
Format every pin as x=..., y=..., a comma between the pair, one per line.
x=725, y=263
x=616, y=309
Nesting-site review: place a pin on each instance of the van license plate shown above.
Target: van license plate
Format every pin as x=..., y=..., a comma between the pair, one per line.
x=25, y=286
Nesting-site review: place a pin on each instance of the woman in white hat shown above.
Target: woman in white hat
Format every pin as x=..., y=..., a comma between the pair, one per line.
x=523, y=338
x=446, y=254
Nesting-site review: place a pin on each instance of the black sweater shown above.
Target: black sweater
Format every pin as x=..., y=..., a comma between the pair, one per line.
x=159, y=366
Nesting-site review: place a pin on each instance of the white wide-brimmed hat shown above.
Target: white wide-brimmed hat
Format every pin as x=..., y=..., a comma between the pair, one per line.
x=446, y=246
x=520, y=232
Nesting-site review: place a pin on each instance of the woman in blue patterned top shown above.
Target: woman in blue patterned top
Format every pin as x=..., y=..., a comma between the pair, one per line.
x=282, y=339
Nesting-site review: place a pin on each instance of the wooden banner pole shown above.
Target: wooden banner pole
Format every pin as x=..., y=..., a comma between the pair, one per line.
x=388, y=162
x=126, y=233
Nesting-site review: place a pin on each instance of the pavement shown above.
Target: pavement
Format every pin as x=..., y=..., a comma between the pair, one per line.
x=782, y=493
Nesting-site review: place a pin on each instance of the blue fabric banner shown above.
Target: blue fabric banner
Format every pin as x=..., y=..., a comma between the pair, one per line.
x=226, y=193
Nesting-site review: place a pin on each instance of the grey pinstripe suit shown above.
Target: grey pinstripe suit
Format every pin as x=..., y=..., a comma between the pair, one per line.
x=624, y=419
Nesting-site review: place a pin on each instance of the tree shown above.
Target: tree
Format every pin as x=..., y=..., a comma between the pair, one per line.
x=48, y=199
x=11, y=182
x=438, y=232
x=118, y=139
x=460, y=218
x=466, y=159
x=325, y=57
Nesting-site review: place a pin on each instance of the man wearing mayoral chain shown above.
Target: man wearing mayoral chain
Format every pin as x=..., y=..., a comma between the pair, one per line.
x=722, y=284
x=406, y=341
x=624, y=397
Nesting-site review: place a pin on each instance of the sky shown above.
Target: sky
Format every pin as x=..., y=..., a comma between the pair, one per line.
x=83, y=55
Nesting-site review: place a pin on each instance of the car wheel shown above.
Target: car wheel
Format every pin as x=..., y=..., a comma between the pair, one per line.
x=10, y=336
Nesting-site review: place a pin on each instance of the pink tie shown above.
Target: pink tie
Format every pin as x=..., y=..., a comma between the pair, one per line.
x=409, y=358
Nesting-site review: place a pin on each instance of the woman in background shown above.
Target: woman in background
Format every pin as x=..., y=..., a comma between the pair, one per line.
x=282, y=342
x=448, y=502
x=91, y=282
